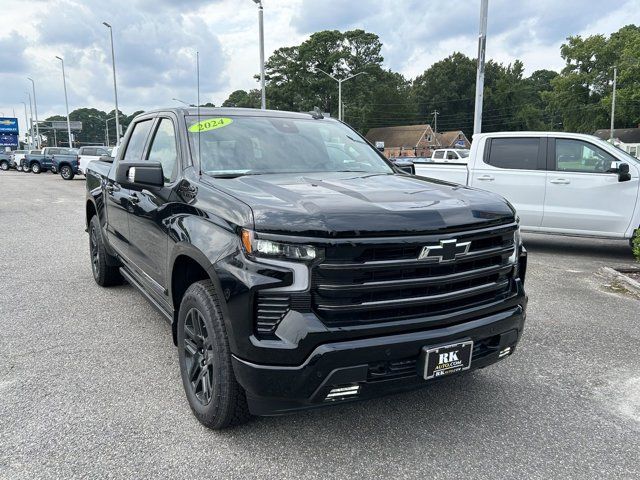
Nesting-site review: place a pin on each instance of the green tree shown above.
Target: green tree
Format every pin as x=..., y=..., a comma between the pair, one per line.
x=244, y=99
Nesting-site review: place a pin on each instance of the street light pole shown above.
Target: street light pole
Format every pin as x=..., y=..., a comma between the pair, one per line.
x=35, y=104
x=482, y=47
x=66, y=101
x=263, y=102
x=31, y=119
x=181, y=101
x=613, y=102
x=115, y=87
x=26, y=125
x=340, y=81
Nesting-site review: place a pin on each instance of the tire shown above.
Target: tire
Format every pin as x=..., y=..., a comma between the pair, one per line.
x=104, y=274
x=4, y=165
x=216, y=398
x=35, y=168
x=25, y=168
x=66, y=172
x=19, y=168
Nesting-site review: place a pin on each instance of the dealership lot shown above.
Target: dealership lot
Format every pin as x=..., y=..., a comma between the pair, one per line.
x=90, y=386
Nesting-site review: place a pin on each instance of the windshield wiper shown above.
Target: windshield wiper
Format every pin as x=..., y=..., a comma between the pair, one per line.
x=233, y=174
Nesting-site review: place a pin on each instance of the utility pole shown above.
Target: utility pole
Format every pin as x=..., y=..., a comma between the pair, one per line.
x=26, y=126
x=35, y=104
x=115, y=86
x=31, y=121
x=263, y=101
x=435, y=120
x=66, y=101
x=613, y=102
x=482, y=47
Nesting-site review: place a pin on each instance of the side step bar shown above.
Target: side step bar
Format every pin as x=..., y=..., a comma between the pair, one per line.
x=129, y=278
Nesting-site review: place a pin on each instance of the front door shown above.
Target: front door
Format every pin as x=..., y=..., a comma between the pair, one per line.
x=582, y=197
x=118, y=198
x=147, y=226
x=515, y=169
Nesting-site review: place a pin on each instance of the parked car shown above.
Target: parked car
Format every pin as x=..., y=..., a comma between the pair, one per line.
x=293, y=278
x=562, y=183
x=5, y=160
x=450, y=155
x=88, y=154
x=38, y=161
x=68, y=164
x=16, y=159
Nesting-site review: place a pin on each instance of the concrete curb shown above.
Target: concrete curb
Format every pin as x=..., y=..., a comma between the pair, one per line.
x=626, y=281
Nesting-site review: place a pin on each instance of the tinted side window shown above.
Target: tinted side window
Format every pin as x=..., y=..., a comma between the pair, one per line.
x=88, y=151
x=579, y=156
x=138, y=137
x=164, y=149
x=514, y=153
x=438, y=154
x=452, y=156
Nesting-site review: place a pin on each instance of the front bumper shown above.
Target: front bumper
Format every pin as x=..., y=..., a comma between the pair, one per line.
x=274, y=390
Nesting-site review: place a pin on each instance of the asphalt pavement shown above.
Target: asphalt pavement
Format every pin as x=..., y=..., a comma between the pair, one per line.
x=90, y=386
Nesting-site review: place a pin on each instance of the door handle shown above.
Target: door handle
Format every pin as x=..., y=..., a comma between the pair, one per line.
x=560, y=181
x=486, y=178
x=110, y=188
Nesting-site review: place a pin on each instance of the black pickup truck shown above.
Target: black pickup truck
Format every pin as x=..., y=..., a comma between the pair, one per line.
x=297, y=266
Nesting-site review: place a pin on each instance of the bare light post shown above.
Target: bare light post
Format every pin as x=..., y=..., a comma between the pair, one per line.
x=66, y=101
x=115, y=86
x=181, y=101
x=340, y=81
x=613, y=102
x=263, y=102
x=482, y=47
x=35, y=104
x=26, y=123
x=31, y=119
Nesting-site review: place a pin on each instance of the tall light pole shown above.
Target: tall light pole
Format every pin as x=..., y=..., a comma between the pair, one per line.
x=340, y=81
x=35, y=104
x=181, y=101
x=115, y=85
x=613, y=102
x=66, y=101
x=263, y=101
x=31, y=121
x=26, y=126
x=482, y=47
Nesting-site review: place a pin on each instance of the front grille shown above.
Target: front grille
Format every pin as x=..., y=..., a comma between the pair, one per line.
x=368, y=283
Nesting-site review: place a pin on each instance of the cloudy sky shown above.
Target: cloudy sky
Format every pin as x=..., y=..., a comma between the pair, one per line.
x=155, y=41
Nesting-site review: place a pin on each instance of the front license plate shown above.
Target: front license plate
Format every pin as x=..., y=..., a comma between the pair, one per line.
x=447, y=359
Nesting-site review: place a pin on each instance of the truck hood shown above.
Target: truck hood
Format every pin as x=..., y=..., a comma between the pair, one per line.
x=358, y=204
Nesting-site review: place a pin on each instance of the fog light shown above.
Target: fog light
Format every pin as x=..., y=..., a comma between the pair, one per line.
x=341, y=393
x=504, y=352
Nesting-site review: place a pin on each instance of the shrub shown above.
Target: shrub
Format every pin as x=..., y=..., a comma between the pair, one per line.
x=635, y=244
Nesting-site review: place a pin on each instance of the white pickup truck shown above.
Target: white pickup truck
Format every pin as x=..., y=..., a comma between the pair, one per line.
x=561, y=183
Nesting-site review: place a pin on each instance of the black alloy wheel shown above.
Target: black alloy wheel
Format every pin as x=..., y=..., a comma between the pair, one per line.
x=199, y=356
x=94, y=251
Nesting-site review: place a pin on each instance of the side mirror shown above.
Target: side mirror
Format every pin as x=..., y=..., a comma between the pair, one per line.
x=622, y=169
x=141, y=174
x=404, y=165
x=106, y=158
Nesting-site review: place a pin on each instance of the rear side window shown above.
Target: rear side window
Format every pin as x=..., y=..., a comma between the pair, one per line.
x=514, y=153
x=138, y=137
x=438, y=154
x=452, y=156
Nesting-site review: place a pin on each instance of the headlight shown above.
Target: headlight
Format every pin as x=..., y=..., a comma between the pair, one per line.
x=517, y=242
x=270, y=248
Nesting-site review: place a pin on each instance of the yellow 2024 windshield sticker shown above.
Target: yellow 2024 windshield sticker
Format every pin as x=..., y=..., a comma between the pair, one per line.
x=210, y=124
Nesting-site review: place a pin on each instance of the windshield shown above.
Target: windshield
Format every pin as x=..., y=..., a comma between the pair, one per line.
x=463, y=153
x=243, y=145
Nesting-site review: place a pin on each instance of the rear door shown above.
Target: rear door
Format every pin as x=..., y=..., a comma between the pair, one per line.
x=147, y=226
x=118, y=198
x=514, y=167
x=582, y=197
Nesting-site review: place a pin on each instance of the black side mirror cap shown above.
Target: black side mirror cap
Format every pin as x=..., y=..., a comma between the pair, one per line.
x=622, y=169
x=141, y=174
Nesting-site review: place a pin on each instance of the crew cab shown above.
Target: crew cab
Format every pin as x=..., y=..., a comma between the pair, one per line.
x=296, y=278
x=450, y=155
x=38, y=161
x=89, y=154
x=559, y=183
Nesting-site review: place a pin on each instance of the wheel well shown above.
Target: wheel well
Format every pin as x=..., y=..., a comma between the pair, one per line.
x=91, y=211
x=186, y=271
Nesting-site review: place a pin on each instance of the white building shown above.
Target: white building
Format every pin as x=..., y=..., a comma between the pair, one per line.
x=627, y=139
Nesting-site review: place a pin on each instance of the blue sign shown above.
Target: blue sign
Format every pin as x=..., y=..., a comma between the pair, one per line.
x=9, y=140
x=8, y=125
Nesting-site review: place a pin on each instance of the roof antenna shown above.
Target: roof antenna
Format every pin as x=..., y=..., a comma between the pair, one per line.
x=198, y=87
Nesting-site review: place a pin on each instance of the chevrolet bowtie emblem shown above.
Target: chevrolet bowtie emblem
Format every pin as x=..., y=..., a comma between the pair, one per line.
x=447, y=251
